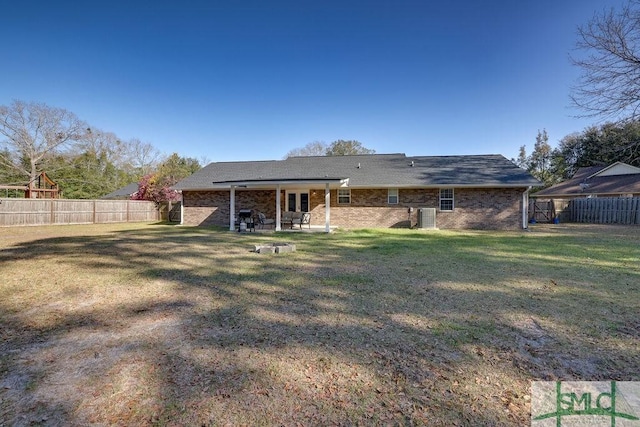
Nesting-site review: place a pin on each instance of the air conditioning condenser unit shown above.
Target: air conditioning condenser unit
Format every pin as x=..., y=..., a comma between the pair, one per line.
x=427, y=218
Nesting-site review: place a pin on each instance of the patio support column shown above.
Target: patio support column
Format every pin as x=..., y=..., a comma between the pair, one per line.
x=232, y=208
x=278, y=213
x=182, y=211
x=525, y=208
x=327, y=208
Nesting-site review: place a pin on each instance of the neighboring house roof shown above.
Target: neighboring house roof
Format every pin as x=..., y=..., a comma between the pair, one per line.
x=366, y=171
x=124, y=192
x=618, y=178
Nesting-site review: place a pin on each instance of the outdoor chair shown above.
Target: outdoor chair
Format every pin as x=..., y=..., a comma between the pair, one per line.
x=287, y=219
x=301, y=218
x=295, y=218
x=263, y=220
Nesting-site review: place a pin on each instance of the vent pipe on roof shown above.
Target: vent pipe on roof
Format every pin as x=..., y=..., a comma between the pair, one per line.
x=358, y=166
x=412, y=163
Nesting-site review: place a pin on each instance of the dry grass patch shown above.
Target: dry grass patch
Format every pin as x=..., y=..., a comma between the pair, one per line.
x=153, y=324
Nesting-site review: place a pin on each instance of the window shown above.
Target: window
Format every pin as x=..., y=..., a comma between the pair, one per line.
x=446, y=199
x=344, y=196
x=392, y=196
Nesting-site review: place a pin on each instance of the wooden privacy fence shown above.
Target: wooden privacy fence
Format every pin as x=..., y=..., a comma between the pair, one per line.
x=174, y=214
x=17, y=212
x=548, y=210
x=606, y=210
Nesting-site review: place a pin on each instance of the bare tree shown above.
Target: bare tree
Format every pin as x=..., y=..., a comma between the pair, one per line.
x=336, y=148
x=143, y=157
x=98, y=141
x=609, y=86
x=31, y=132
x=315, y=148
x=134, y=157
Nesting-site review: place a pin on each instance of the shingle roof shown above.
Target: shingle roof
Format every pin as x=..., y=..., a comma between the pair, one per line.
x=123, y=193
x=585, y=183
x=369, y=171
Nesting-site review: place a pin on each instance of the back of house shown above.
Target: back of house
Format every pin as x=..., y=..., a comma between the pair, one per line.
x=363, y=191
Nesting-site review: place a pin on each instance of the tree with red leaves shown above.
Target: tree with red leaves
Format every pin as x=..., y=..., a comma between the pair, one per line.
x=156, y=189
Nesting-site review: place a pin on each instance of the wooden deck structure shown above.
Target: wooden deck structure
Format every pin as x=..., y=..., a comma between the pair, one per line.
x=42, y=187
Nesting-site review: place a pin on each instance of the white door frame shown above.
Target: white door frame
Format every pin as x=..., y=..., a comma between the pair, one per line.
x=297, y=192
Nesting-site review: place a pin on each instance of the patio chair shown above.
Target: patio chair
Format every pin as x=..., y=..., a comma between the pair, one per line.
x=306, y=219
x=263, y=220
x=301, y=218
x=287, y=219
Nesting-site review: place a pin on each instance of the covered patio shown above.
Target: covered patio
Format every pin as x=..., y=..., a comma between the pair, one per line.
x=295, y=201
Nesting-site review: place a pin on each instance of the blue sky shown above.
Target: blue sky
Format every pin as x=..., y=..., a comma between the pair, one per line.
x=252, y=80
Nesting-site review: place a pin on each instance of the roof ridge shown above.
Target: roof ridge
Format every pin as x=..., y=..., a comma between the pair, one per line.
x=349, y=155
x=242, y=161
x=460, y=155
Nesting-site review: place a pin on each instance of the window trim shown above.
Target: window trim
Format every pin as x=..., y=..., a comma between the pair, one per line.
x=446, y=199
x=390, y=195
x=348, y=195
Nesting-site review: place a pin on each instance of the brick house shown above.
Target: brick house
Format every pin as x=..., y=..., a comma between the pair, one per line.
x=363, y=191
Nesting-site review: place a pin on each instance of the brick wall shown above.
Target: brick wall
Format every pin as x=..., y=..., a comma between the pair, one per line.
x=368, y=208
x=475, y=208
x=212, y=207
x=205, y=207
x=479, y=208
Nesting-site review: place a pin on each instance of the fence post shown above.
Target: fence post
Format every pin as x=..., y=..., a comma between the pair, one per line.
x=53, y=215
x=93, y=217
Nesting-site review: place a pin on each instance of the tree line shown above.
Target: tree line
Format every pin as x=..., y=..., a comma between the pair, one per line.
x=88, y=163
x=595, y=146
x=85, y=162
x=608, y=89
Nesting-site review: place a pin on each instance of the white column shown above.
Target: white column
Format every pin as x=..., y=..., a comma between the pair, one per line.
x=278, y=213
x=327, y=208
x=525, y=209
x=232, y=208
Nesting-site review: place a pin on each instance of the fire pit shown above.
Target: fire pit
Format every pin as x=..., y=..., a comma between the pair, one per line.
x=275, y=248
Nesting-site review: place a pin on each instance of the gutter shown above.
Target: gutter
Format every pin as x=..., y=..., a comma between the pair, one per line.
x=525, y=208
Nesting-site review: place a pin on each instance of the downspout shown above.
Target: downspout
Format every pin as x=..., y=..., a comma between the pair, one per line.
x=525, y=208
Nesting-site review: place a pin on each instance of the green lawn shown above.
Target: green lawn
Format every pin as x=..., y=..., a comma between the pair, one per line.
x=147, y=324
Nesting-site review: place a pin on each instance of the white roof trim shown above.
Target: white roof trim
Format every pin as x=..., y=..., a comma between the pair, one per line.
x=270, y=184
x=417, y=187
x=602, y=172
x=345, y=184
